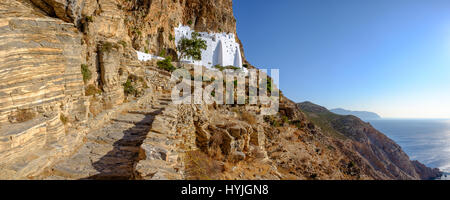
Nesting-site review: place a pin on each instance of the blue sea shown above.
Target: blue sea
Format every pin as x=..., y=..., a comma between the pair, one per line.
x=425, y=140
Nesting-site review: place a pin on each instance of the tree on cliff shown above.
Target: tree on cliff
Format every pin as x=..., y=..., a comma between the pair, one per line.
x=191, y=48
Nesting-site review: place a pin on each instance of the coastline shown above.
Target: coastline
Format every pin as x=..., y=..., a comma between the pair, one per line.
x=422, y=139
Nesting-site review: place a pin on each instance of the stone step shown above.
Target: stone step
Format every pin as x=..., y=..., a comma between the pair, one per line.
x=165, y=99
x=164, y=103
x=116, y=132
x=160, y=71
x=134, y=118
x=76, y=167
x=132, y=142
x=129, y=137
x=54, y=178
x=145, y=111
x=112, y=151
x=159, y=107
x=116, y=175
x=156, y=137
x=156, y=170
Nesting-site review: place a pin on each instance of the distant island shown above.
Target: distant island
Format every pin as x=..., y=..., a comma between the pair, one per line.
x=364, y=115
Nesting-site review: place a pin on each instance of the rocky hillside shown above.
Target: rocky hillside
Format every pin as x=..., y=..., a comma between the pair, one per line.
x=76, y=103
x=364, y=115
x=379, y=152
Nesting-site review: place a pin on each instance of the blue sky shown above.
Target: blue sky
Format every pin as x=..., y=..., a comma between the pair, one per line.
x=387, y=56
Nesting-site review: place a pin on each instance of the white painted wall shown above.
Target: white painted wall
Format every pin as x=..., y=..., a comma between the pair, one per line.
x=222, y=48
x=145, y=56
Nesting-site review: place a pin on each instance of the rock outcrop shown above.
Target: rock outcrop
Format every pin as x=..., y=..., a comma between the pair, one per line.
x=377, y=151
x=76, y=103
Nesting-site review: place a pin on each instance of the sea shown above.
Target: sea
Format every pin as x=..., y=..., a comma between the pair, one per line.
x=425, y=140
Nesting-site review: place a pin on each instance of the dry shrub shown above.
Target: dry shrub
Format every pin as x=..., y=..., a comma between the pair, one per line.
x=247, y=170
x=249, y=118
x=91, y=90
x=199, y=166
x=256, y=153
x=290, y=138
x=22, y=115
x=214, y=147
x=108, y=105
x=95, y=107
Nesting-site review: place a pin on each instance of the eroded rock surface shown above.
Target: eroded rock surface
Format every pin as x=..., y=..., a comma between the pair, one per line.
x=76, y=103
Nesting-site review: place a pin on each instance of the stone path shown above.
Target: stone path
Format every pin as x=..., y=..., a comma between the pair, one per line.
x=112, y=152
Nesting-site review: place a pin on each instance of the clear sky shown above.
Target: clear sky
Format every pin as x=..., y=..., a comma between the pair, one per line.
x=387, y=56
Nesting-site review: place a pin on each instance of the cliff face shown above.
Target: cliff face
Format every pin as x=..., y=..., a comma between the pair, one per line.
x=40, y=76
x=380, y=153
x=65, y=63
x=76, y=103
x=147, y=24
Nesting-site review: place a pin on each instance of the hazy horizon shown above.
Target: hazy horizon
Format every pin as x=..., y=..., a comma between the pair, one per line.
x=387, y=57
x=389, y=118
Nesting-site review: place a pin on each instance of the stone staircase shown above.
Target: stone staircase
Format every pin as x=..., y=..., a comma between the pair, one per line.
x=113, y=151
x=160, y=155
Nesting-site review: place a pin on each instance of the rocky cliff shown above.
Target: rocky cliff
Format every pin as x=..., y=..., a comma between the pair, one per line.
x=377, y=151
x=76, y=103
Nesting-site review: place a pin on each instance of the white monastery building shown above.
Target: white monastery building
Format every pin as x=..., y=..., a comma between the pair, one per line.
x=222, y=49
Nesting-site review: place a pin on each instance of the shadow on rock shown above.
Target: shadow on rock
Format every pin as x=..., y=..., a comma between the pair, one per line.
x=118, y=164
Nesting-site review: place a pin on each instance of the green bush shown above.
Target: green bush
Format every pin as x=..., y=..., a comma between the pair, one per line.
x=232, y=67
x=166, y=64
x=221, y=68
x=269, y=85
x=191, y=48
x=108, y=46
x=87, y=74
x=63, y=119
x=297, y=124
x=144, y=84
x=89, y=19
x=123, y=43
x=163, y=53
x=131, y=86
x=285, y=120
x=273, y=121
x=128, y=88
x=275, y=124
